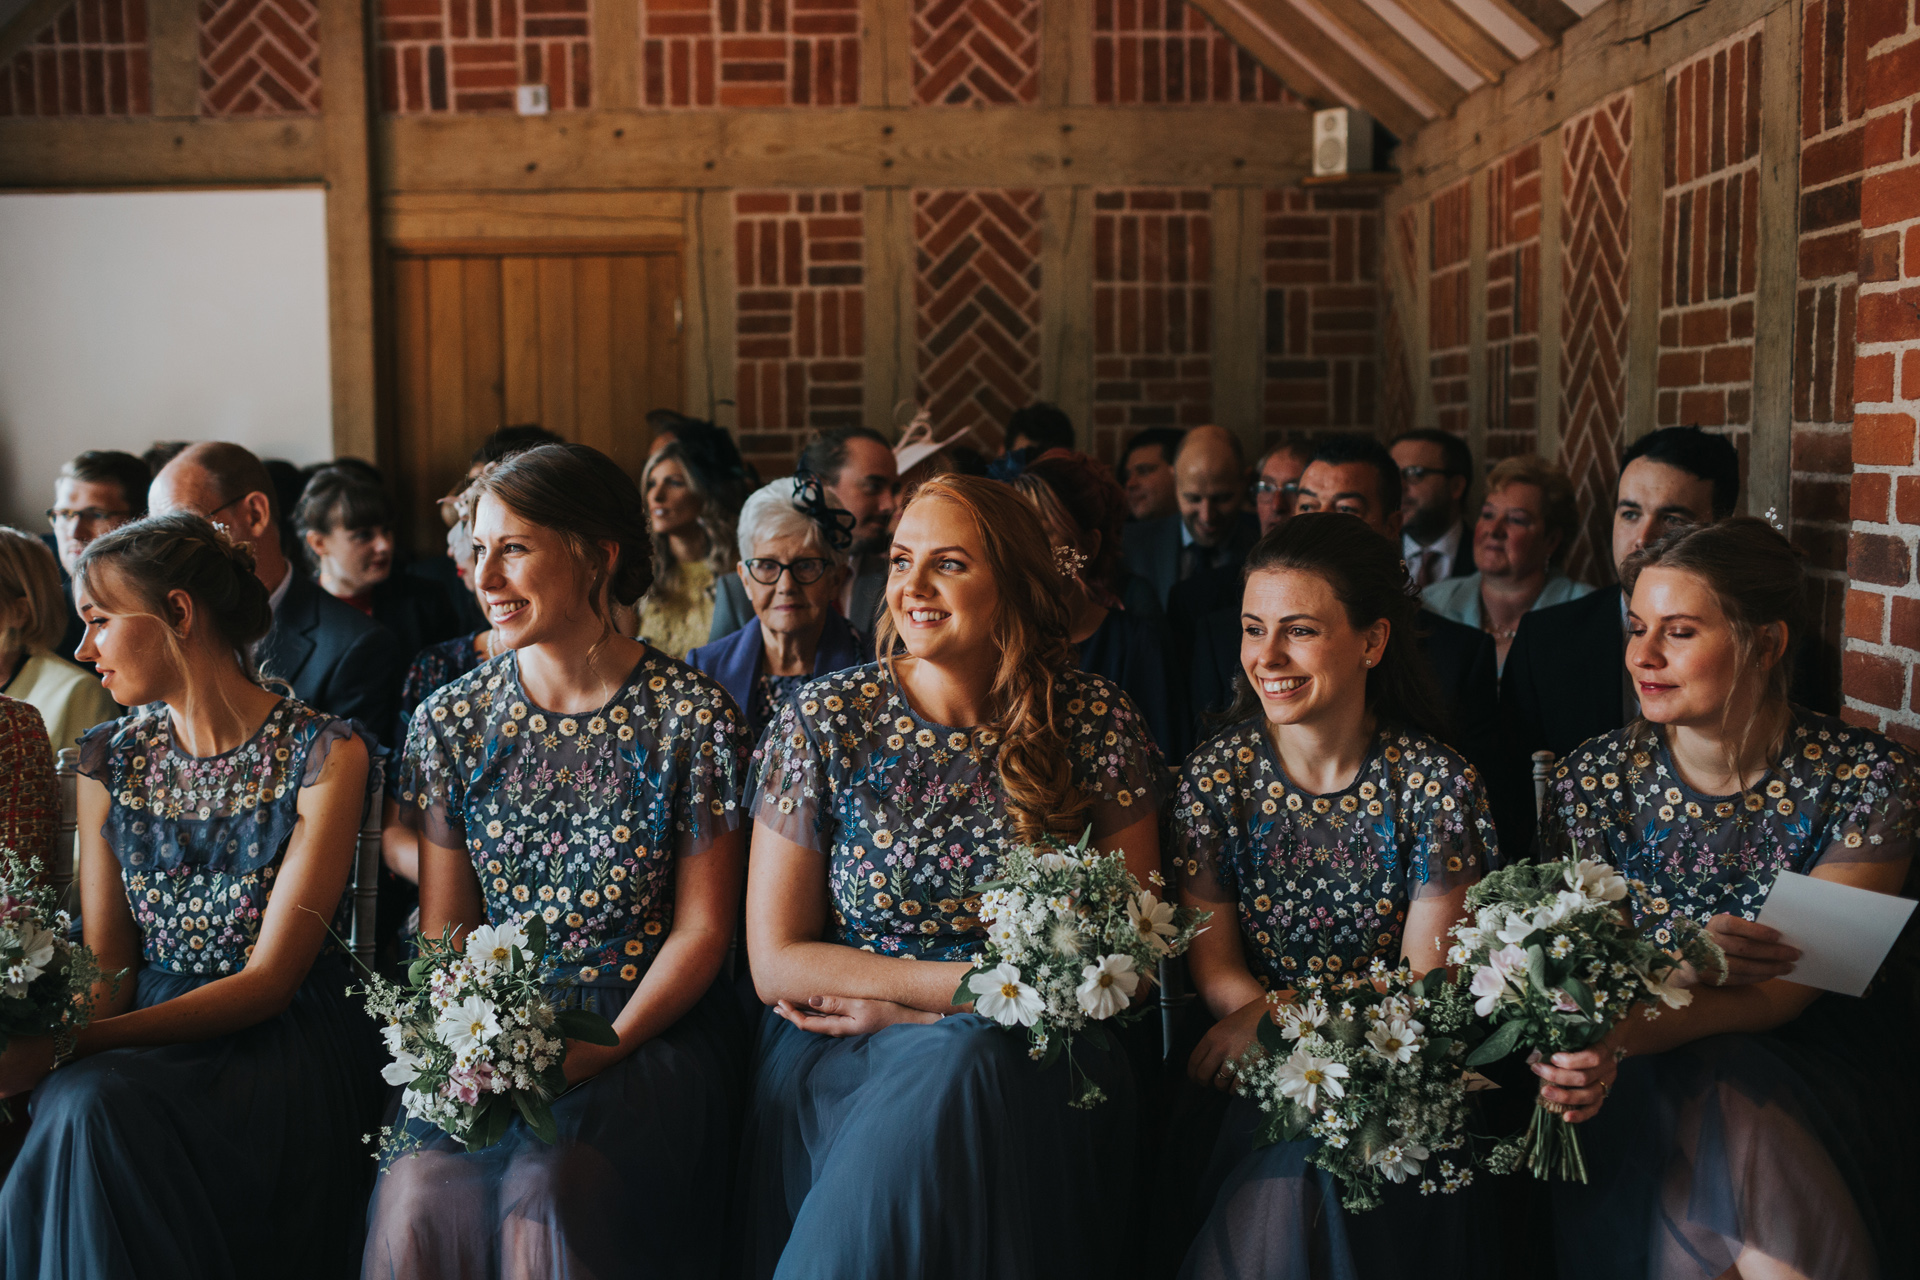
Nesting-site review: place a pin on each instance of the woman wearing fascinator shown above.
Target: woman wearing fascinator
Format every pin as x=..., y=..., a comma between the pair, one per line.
x=793, y=560
x=889, y=1128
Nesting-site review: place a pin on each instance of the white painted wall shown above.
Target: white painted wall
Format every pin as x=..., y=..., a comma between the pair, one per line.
x=131, y=317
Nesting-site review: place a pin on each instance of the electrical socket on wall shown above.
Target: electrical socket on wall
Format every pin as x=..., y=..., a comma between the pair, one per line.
x=530, y=99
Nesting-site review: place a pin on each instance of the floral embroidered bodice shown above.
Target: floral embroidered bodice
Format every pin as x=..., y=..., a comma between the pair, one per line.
x=578, y=817
x=1321, y=883
x=911, y=814
x=200, y=839
x=1839, y=794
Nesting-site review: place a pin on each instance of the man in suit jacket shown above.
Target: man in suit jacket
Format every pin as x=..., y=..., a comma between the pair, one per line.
x=337, y=659
x=1566, y=676
x=1213, y=529
x=1436, y=475
x=1355, y=474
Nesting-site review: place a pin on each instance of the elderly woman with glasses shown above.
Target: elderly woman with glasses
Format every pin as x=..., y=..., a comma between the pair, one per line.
x=792, y=561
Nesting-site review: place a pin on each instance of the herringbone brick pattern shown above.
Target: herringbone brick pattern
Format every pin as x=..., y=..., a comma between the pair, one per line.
x=750, y=53
x=259, y=57
x=1321, y=264
x=1448, y=338
x=1152, y=312
x=977, y=295
x=1596, y=181
x=91, y=60
x=1709, y=239
x=799, y=271
x=976, y=51
x=468, y=55
x=1513, y=303
x=1398, y=411
x=1165, y=51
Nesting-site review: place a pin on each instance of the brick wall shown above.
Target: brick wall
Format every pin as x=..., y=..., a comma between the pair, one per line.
x=1513, y=304
x=1147, y=51
x=1596, y=185
x=1449, y=244
x=976, y=51
x=1152, y=312
x=977, y=292
x=91, y=60
x=467, y=55
x=750, y=53
x=1321, y=264
x=800, y=275
x=259, y=57
x=1883, y=607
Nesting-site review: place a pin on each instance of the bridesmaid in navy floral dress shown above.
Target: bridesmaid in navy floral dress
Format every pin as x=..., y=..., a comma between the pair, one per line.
x=1766, y=1129
x=209, y=1123
x=1332, y=829
x=890, y=1131
x=595, y=781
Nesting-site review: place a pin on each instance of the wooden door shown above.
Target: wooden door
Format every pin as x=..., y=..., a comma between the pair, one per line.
x=583, y=343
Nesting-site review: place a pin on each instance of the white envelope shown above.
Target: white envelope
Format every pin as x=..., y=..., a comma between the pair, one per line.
x=1843, y=933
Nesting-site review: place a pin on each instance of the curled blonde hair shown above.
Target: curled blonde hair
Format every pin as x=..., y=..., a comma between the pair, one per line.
x=1030, y=635
x=29, y=573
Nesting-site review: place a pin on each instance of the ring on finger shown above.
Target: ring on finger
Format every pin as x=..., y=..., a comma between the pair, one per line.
x=1606, y=1090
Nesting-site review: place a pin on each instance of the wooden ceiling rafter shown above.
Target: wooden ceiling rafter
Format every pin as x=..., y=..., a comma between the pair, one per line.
x=1374, y=31
x=1379, y=99
x=1467, y=38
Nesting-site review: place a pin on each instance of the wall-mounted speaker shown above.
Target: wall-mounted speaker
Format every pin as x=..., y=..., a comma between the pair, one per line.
x=1342, y=142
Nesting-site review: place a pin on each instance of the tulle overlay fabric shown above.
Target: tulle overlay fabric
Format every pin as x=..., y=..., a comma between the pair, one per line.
x=1788, y=1142
x=636, y=1185
x=232, y=1158
x=935, y=1150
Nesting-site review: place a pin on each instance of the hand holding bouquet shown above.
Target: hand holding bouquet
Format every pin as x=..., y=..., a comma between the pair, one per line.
x=475, y=1039
x=46, y=979
x=1374, y=1066
x=1072, y=943
x=1554, y=962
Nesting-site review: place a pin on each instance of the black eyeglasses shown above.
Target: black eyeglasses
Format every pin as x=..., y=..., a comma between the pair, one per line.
x=1267, y=488
x=84, y=515
x=805, y=572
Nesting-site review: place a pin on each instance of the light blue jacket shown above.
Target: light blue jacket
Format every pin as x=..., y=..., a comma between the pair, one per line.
x=1459, y=598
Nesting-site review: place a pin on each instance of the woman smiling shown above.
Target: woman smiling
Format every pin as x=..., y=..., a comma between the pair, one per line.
x=887, y=1124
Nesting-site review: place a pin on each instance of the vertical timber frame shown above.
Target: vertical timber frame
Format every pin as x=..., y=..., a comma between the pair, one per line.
x=1643, y=258
x=1552, y=299
x=1239, y=312
x=1769, y=480
x=347, y=164
x=1478, y=393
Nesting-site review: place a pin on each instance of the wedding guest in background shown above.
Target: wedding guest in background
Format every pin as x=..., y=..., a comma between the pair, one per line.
x=1565, y=678
x=208, y=1121
x=879, y=1129
x=792, y=569
x=860, y=473
x=1436, y=474
x=1146, y=473
x=29, y=792
x=1213, y=527
x=345, y=523
x=33, y=613
x=1276, y=482
x=1112, y=618
x=638, y=859
x=1766, y=1129
x=694, y=488
x=336, y=658
x=1525, y=525
x=1040, y=426
x=1328, y=827
x=95, y=493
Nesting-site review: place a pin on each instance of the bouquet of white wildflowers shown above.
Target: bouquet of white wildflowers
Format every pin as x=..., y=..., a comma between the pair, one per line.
x=46, y=979
x=1073, y=941
x=1554, y=961
x=474, y=1037
x=1374, y=1066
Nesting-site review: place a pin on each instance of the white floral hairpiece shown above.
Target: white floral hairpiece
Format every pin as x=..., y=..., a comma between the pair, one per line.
x=1773, y=518
x=1068, y=561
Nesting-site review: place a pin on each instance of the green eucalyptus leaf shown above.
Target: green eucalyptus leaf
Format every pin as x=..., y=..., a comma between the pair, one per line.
x=1498, y=1045
x=582, y=1024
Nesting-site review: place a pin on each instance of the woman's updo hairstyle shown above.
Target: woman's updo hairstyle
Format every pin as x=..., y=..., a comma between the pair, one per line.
x=581, y=494
x=1030, y=638
x=159, y=555
x=1369, y=579
x=1754, y=573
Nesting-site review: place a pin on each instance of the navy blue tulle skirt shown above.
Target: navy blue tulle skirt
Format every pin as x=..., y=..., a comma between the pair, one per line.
x=636, y=1185
x=1270, y=1215
x=1798, y=1143
x=936, y=1150
x=236, y=1157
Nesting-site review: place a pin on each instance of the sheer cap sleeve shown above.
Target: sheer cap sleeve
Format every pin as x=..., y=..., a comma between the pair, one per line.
x=1204, y=822
x=788, y=785
x=1872, y=812
x=712, y=733
x=432, y=792
x=1115, y=761
x=1454, y=841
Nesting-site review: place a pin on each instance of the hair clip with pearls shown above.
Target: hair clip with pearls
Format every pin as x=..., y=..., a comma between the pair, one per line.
x=1068, y=560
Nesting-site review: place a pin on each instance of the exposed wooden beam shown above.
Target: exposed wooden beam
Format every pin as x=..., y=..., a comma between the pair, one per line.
x=1239, y=314
x=1066, y=53
x=1379, y=35
x=886, y=53
x=1552, y=17
x=1641, y=412
x=1552, y=297
x=1478, y=397
x=1618, y=44
x=859, y=147
x=616, y=53
x=1298, y=76
x=343, y=141
x=1770, y=457
x=1332, y=61
x=173, y=56
x=1464, y=36
x=20, y=30
x=105, y=152
x=1066, y=321
x=1513, y=14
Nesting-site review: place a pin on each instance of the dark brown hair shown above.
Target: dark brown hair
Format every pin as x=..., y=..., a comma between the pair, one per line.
x=583, y=495
x=158, y=555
